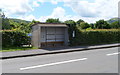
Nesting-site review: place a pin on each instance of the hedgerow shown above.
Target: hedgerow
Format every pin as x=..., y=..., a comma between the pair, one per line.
x=95, y=37
x=14, y=38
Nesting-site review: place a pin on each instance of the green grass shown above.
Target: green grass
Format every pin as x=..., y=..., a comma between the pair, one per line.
x=9, y=49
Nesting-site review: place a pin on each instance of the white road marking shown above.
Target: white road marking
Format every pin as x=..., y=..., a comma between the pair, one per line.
x=56, y=63
x=113, y=54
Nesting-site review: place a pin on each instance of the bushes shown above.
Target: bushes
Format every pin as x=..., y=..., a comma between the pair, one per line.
x=94, y=37
x=14, y=38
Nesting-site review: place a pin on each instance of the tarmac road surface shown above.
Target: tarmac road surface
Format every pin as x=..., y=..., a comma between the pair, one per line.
x=93, y=61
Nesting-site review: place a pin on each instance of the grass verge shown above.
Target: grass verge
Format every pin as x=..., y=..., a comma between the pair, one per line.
x=9, y=49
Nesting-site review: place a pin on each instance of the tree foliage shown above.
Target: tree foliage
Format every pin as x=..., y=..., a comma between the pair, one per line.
x=101, y=24
x=12, y=24
x=6, y=24
x=2, y=15
x=71, y=27
x=79, y=21
x=84, y=25
x=51, y=20
x=70, y=23
x=115, y=25
x=92, y=25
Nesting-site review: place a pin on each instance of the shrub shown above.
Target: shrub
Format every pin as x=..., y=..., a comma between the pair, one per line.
x=14, y=38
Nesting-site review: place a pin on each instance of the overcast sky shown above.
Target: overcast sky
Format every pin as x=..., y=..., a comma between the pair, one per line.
x=40, y=10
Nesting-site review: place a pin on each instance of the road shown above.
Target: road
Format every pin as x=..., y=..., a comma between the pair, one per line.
x=93, y=61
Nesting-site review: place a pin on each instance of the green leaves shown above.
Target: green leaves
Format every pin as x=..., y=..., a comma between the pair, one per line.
x=101, y=24
x=115, y=25
x=84, y=25
x=95, y=37
x=79, y=21
x=51, y=20
x=6, y=24
x=14, y=38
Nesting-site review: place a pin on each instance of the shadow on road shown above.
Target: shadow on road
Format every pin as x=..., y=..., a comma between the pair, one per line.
x=63, y=47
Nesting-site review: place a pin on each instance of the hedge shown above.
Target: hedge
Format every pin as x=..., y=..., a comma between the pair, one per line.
x=82, y=37
x=95, y=37
x=14, y=38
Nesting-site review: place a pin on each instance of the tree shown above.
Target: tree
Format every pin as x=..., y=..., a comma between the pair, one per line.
x=5, y=21
x=115, y=25
x=84, y=25
x=6, y=24
x=24, y=27
x=101, y=24
x=2, y=15
x=71, y=29
x=51, y=20
x=79, y=21
x=33, y=21
x=92, y=25
x=71, y=24
x=13, y=24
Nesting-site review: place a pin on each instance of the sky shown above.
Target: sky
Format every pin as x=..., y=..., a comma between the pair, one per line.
x=40, y=10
